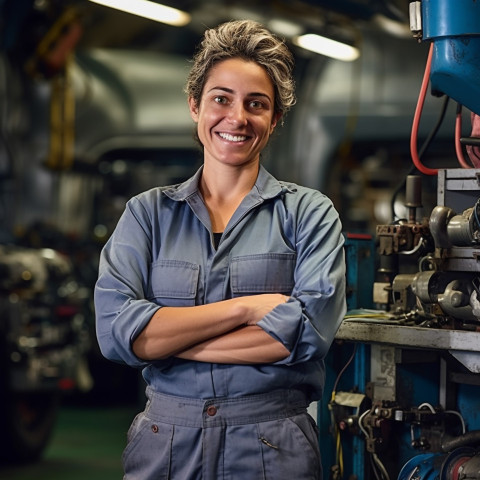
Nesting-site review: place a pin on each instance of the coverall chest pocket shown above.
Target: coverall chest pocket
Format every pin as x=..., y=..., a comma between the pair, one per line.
x=262, y=273
x=174, y=283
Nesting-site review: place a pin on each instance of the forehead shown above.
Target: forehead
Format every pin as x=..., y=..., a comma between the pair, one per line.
x=239, y=74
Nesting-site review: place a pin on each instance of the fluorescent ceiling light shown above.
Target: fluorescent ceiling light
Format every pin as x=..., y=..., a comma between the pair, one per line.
x=284, y=27
x=397, y=29
x=327, y=46
x=147, y=9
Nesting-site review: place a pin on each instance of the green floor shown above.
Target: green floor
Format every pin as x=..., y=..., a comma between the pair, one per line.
x=86, y=445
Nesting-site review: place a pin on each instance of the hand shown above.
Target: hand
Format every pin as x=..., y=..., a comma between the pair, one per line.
x=257, y=306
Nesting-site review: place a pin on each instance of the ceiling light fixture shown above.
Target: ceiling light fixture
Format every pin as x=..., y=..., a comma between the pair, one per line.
x=285, y=28
x=147, y=9
x=326, y=46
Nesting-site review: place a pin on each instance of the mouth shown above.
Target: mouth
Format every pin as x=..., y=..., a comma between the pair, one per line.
x=232, y=138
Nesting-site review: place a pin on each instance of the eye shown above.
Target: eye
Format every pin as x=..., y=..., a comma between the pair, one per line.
x=256, y=104
x=220, y=99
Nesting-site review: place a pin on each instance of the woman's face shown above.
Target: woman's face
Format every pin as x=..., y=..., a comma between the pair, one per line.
x=236, y=113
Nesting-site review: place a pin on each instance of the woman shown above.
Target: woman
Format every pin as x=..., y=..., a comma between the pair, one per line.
x=228, y=288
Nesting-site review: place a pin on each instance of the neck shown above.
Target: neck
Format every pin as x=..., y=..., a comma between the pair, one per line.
x=225, y=183
x=223, y=190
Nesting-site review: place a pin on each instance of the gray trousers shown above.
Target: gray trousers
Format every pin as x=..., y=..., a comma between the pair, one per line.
x=257, y=437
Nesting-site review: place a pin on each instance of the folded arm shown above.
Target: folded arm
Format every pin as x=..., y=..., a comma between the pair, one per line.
x=245, y=345
x=211, y=328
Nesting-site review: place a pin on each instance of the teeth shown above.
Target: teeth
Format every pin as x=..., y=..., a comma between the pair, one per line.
x=233, y=138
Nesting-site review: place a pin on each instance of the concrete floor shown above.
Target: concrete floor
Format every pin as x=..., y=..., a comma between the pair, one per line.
x=87, y=444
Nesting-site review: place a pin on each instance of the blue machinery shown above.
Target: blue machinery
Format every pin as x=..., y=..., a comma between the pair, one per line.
x=403, y=393
x=402, y=399
x=454, y=28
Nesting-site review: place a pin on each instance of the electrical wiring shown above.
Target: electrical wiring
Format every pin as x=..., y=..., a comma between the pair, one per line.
x=428, y=405
x=382, y=315
x=436, y=128
x=458, y=134
x=381, y=467
x=342, y=371
x=338, y=442
x=379, y=321
x=388, y=319
x=451, y=412
x=421, y=243
x=339, y=452
x=374, y=468
x=360, y=421
x=370, y=316
x=462, y=421
x=376, y=463
x=370, y=319
x=416, y=119
x=421, y=153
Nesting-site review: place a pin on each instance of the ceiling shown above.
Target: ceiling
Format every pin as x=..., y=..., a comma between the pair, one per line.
x=26, y=22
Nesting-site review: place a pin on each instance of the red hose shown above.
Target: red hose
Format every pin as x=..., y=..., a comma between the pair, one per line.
x=458, y=145
x=416, y=119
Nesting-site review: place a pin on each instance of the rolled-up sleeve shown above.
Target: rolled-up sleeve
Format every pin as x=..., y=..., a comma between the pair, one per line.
x=121, y=307
x=307, y=323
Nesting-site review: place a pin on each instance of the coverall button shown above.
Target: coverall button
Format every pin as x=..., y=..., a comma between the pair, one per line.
x=155, y=428
x=211, y=410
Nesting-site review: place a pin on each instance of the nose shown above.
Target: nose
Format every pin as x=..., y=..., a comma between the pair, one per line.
x=237, y=114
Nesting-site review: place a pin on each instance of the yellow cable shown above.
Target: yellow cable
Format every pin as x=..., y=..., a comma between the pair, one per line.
x=339, y=453
x=367, y=315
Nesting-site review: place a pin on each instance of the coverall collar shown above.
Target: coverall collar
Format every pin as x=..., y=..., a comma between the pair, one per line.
x=266, y=187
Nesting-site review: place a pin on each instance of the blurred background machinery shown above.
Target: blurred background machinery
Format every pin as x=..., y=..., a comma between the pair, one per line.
x=43, y=338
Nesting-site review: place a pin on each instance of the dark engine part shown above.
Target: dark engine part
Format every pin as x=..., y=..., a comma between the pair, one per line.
x=437, y=278
x=460, y=464
x=43, y=338
x=449, y=229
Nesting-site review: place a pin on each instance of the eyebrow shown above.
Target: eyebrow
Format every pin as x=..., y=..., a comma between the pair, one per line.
x=252, y=94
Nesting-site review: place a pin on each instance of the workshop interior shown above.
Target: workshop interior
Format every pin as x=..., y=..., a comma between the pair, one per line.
x=387, y=124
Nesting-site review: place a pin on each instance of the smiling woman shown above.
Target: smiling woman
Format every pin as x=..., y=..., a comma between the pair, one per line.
x=228, y=288
x=236, y=114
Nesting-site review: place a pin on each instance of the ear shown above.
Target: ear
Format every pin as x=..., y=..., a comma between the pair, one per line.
x=276, y=117
x=192, y=105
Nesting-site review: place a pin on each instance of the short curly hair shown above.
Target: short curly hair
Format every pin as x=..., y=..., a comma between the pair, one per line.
x=250, y=41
